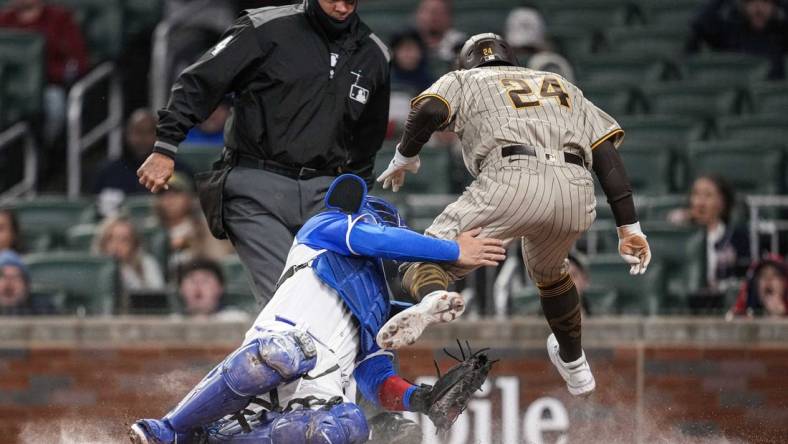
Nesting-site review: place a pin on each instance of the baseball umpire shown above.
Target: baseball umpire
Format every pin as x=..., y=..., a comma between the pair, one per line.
x=529, y=138
x=310, y=86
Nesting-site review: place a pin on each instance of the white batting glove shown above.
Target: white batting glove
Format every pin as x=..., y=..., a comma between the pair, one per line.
x=633, y=247
x=394, y=176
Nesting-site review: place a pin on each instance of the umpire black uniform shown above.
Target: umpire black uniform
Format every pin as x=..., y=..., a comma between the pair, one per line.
x=311, y=98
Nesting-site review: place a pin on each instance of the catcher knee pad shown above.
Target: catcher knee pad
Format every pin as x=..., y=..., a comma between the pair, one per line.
x=342, y=424
x=261, y=365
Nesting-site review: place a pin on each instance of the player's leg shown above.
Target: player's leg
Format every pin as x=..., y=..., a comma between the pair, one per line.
x=257, y=224
x=255, y=368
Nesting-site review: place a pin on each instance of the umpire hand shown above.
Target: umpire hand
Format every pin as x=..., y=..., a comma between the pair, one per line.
x=633, y=248
x=394, y=176
x=155, y=172
x=478, y=251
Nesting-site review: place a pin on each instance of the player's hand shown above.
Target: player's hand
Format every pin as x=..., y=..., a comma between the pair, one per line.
x=633, y=248
x=394, y=176
x=478, y=251
x=156, y=171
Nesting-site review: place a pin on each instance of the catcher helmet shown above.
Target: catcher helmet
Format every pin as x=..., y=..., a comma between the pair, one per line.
x=485, y=49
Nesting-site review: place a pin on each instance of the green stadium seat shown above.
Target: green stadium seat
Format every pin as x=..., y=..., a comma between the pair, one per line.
x=234, y=272
x=199, y=157
x=770, y=97
x=650, y=168
x=761, y=128
x=616, y=100
x=422, y=209
x=3, y=121
x=620, y=70
x=141, y=17
x=661, y=42
x=22, y=57
x=694, y=99
x=637, y=295
x=386, y=23
x=657, y=208
x=660, y=128
x=400, y=6
x=44, y=221
x=91, y=283
x=670, y=12
x=751, y=168
x=573, y=42
x=140, y=208
x=434, y=177
x=683, y=253
x=476, y=21
x=726, y=69
x=155, y=242
x=102, y=24
x=601, y=300
x=588, y=15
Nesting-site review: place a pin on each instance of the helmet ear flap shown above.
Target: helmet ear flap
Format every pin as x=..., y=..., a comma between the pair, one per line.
x=347, y=193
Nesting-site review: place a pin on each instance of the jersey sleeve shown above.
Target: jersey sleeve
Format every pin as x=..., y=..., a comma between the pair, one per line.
x=447, y=89
x=355, y=236
x=601, y=126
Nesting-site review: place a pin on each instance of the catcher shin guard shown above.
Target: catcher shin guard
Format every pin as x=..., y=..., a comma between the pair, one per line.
x=561, y=307
x=253, y=369
x=341, y=424
x=393, y=428
x=422, y=278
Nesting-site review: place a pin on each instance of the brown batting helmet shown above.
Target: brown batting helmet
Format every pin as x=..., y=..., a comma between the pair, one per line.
x=485, y=49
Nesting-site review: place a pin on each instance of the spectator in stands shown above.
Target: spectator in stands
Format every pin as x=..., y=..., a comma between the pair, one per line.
x=9, y=231
x=118, y=238
x=434, y=24
x=757, y=27
x=15, y=296
x=525, y=33
x=727, y=247
x=211, y=131
x=118, y=178
x=410, y=73
x=201, y=289
x=66, y=53
x=765, y=291
x=176, y=212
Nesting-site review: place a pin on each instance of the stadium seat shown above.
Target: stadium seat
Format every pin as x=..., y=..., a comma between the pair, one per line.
x=693, y=99
x=770, y=97
x=589, y=14
x=600, y=300
x=102, y=24
x=155, y=242
x=750, y=168
x=434, y=177
x=376, y=6
x=637, y=295
x=617, y=70
x=22, y=57
x=91, y=283
x=572, y=42
x=761, y=128
x=661, y=42
x=199, y=157
x=476, y=21
x=656, y=208
x=670, y=12
x=234, y=272
x=141, y=17
x=614, y=100
x=650, y=168
x=726, y=69
x=422, y=209
x=660, y=128
x=44, y=221
x=140, y=208
x=387, y=23
x=683, y=253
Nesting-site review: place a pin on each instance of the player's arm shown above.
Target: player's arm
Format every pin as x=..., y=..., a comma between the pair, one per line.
x=379, y=384
x=431, y=111
x=195, y=95
x=356, y=237
x=610, y=171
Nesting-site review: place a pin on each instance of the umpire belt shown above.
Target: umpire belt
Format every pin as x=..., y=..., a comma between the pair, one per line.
x=295, y=172
x=525, y=150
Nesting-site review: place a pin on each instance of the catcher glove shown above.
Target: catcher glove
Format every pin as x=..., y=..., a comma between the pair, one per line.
x=448, y=398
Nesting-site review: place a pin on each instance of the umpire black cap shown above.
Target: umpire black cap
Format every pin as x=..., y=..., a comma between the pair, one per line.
x=485, y=49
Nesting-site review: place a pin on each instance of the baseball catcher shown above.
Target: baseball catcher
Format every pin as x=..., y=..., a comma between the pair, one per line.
x=289, y=380
x=531, y=140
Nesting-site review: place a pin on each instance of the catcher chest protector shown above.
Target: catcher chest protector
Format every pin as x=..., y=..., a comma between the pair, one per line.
x=485, y=49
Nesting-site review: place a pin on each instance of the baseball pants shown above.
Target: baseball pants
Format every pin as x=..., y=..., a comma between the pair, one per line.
x=262, y=212
x=543, y=200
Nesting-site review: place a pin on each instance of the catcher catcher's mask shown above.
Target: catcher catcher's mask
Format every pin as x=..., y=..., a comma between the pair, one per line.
x=348, y=193
x=485, y=50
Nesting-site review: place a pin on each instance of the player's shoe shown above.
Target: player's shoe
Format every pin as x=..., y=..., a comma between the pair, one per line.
x=407, y=326
x=577, y=374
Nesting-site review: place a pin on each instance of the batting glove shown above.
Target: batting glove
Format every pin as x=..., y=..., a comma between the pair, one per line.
x=633, y=248
x=394, y=176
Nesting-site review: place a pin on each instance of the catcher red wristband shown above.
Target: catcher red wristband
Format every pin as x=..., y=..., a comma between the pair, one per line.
x=393, y=392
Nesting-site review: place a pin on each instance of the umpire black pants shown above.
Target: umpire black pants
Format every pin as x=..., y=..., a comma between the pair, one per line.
x=262, y=213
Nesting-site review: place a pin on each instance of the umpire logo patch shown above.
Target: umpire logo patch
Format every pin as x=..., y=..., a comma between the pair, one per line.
x=357, y=92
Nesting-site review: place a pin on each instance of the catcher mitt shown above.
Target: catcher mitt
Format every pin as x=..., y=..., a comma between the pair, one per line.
x=448, y=398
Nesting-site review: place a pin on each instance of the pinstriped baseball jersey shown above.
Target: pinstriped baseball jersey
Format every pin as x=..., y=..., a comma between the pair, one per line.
x=495, y=106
